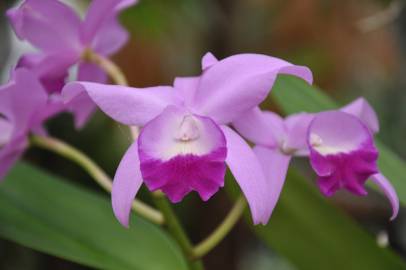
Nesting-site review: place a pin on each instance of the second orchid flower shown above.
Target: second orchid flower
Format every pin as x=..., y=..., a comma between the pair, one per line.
x=339, y=145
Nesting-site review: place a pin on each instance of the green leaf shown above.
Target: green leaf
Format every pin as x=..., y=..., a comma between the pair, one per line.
x=315, y=235
x=294, y=95
x=48, y=214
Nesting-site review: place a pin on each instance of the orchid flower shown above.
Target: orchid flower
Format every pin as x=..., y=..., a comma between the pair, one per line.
x=185, y=143
x=24, y=106
x=63, y=40
x=339, y=144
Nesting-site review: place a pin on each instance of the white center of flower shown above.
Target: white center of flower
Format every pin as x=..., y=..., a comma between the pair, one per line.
x=188, y=130
x=188, y=138
x=177, y=132
x=315, y=140
x=320, y=146
x=283, y=146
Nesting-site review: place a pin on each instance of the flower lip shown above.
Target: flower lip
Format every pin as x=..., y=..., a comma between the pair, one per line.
x=182, y=152
x=345, y=170
x=342, y=152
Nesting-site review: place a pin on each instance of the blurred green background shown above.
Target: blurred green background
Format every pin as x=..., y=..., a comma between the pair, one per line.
x=354, y=48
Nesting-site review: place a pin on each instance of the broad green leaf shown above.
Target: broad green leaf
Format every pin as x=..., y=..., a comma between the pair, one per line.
x=294, y=95
x=315, y=235
x=48, y=214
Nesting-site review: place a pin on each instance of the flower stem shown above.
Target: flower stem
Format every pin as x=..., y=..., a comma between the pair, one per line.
x=222, y=230
x=176, y=229
x=114, y=72
x=94, y=171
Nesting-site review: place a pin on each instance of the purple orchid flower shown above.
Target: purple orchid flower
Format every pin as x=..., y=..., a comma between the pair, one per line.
x=185, y=143
x=63, y=39
x=24, y=106
x=338, y=143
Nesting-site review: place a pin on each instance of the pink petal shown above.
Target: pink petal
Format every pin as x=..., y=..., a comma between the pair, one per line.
x=275, y=165
x=22, y=98
x=123, y=4
x=39, y=130
x=188, y=156
x=297, y=126
x=83, y=106
x=110, y=38
x=101, y=24
x=364, y=111
x=98, y=12
x=53, y=106
x=247, y=170
x=298, y=71
x=263, y=128
x=6, y=108
x=126, y=184
x=47, y=24
x=24, y=106
x=239, y=83
x=89, y=72
x=185, y=88
x=130, y=106
x=51, y=69
x=269, y=129
x=6, y=131
x=208, y=60
x=389, y=191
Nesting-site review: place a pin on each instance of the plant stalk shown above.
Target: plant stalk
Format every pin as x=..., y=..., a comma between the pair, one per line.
x=222, y=230
x=101, y=178
x=177, y=231
x=114, y=72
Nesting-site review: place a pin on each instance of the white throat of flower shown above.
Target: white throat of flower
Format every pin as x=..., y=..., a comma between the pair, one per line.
x=187, y=138
x=320, y=146
x=284, y=148
x=188, y=130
